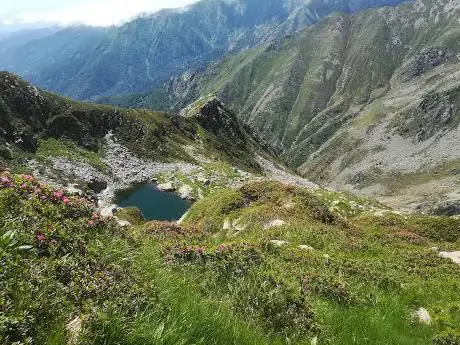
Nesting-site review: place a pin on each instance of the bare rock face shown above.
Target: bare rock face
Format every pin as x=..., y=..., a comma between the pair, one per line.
x=216, y=126
x=214, y=116
x=425, y=61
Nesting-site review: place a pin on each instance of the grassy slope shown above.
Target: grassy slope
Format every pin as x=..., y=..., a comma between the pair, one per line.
x=160, y=283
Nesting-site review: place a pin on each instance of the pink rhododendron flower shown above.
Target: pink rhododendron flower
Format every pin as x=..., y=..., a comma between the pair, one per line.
x=90, y=223
x=4, y=180
x=24, y=186
x=53, y=241
x=28, y=177
x=221, y=248
x=65, y=200
x=58, y=194
x=41, y=237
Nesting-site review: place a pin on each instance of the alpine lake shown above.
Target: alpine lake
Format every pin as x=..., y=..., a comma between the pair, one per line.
x=153, y=203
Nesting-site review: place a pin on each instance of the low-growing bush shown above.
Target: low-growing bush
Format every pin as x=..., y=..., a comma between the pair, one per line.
x=57, y=261
x=226, y=261
x=276, y=306
x=447, y=338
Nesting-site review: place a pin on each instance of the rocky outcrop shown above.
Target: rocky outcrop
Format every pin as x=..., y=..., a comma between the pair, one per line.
x=219, y=130
x=186, y=192
x=166, y=187
x=426, y=60
x=96, y=185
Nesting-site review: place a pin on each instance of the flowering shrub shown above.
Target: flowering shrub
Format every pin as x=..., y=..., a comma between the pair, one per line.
x=225, y=261
x=330, y=287
x=27, y=186
x=168, y=230
x=53, y=249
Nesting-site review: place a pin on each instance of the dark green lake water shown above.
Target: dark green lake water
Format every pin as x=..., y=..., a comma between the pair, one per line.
x=154, y=204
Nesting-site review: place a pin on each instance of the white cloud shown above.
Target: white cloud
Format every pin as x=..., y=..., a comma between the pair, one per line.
x=98, y=13
x=8, y=22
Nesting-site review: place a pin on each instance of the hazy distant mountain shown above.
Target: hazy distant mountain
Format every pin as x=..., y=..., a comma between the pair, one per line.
x=85, y=62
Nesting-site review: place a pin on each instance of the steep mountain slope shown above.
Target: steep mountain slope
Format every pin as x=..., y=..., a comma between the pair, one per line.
x=68, y=142
x=88, y=62
x=367, y=102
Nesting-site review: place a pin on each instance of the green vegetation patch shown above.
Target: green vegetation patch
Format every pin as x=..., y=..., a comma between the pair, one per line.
x=51, y=147
x=286, y=269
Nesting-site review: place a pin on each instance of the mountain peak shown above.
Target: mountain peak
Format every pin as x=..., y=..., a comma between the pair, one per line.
x=214, y=116
x=204, y=107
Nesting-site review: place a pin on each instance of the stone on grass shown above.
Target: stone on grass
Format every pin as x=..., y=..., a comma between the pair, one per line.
x=454, y=256
x=422, y=316
x=274, y=223
x=123, y=223
x=74, y=328
x=227, y=224
x=306, y=247
x=109, y=211
x=166, y=187
x=277, y=243
x=289, y=204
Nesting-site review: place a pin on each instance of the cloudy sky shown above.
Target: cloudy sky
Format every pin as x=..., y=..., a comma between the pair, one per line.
x=22, y=13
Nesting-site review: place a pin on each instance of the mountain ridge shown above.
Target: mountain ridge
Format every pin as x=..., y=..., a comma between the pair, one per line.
x=141, y=54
